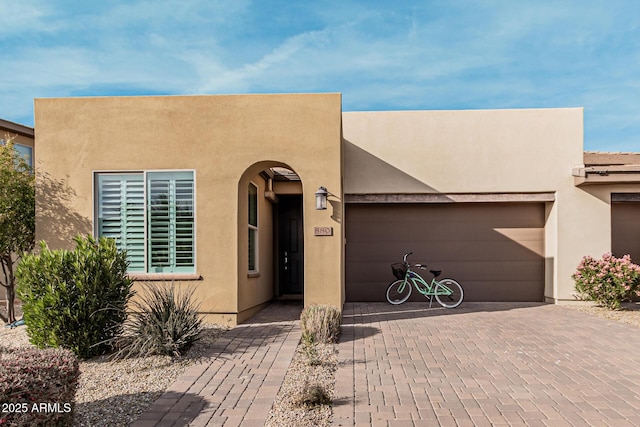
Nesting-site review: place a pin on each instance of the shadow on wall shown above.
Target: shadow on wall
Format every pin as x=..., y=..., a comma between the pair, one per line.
x=336, y=210
x=374, y=175
x=56, y=222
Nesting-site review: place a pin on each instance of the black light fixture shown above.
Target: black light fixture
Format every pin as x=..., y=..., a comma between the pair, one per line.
x=321, y=198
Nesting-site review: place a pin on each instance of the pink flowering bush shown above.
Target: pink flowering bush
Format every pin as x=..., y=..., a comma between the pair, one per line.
x=607, y=281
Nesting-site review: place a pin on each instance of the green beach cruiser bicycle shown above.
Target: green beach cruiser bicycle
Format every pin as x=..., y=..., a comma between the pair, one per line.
x=447, y=292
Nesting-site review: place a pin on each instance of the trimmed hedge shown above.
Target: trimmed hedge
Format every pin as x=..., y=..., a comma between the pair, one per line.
x=37, y=387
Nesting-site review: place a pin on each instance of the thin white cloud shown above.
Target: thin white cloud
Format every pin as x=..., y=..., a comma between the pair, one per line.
x=23, y=17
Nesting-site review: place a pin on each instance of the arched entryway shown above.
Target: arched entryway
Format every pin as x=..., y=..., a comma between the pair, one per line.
x=271, y=258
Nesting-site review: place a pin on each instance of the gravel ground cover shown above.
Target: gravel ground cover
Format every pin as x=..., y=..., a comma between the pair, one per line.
x=287, y=409
x=629, y=314
x=115, y=393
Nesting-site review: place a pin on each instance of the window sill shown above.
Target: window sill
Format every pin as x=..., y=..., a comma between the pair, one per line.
x=253, y=274
x=167, y=277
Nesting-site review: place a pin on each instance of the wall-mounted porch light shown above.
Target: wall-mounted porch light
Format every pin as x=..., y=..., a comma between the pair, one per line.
x=321, y=198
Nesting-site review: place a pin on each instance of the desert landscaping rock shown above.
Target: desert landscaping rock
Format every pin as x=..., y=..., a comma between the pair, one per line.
x=287, y=409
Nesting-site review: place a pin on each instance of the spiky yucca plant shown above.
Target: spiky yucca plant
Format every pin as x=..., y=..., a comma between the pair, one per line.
x=164, y=320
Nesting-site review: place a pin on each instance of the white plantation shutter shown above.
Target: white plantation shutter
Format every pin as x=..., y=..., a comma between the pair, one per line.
x=170, y=221
x=168, y=198
x=121, y=214
x=185, y=237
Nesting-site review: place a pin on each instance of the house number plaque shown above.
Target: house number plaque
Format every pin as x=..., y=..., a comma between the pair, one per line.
x=323, y=231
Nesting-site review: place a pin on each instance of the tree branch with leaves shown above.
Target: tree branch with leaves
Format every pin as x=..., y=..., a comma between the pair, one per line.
x=17, y=217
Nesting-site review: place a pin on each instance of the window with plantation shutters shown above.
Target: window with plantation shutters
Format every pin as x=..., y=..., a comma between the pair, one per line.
x=151, y=216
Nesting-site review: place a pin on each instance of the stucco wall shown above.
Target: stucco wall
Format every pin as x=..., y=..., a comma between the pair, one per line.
x=461, y=151
x=486, y=151
x=221, y=138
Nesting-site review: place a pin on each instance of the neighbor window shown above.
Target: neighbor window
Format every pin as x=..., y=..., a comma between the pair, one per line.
x=253, y=227
x=25, y=151
x=151, y=216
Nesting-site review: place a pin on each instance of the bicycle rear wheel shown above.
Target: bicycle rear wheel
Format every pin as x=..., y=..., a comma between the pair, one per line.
x=449, y=293
x=398, y=292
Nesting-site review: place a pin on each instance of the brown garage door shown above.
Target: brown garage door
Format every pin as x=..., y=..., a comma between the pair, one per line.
x=625, y=230
x=495, y=250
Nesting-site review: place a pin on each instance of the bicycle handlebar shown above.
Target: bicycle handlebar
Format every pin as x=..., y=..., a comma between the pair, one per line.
x=419, y=265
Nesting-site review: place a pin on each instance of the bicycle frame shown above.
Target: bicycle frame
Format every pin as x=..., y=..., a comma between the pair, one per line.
x=421, y=285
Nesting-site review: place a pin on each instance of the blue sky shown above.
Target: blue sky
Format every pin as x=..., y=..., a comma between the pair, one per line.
x=381, y=55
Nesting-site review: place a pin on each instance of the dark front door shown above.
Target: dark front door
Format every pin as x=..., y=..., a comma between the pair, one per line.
x=290, y=245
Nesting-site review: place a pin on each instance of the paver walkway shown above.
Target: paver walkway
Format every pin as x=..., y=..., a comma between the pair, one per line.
x=239, y=385
x=492, y=364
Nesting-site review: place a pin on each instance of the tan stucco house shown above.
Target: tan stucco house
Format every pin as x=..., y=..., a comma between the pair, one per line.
x=220, y=192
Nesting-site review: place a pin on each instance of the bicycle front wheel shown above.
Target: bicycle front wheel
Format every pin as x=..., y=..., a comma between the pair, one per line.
x=449, y=293
x=398, y=292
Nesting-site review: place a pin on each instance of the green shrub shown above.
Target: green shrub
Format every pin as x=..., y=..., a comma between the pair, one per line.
x=37, y=387
x=321, y=323
x=75, y=299
x=164, y=321
x=607, y=281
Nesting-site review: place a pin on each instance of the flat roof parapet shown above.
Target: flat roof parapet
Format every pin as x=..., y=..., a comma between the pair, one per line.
x=594, y=158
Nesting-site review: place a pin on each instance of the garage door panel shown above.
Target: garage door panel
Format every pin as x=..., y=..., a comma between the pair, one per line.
x=381, y=271
x=438, y=252
x=503, y=291
x=489, y=270
x=496, y=248
x=463, y=272
x=625, y=230
x=444, y=251
x=405, y=231
x=475, y=291
x=464, y=251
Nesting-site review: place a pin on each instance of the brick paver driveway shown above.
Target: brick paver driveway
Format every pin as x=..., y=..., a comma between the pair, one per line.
x=486, y=365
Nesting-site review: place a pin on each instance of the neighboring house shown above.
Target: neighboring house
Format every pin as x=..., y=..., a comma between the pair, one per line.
x=23, y=137
x=220, y=192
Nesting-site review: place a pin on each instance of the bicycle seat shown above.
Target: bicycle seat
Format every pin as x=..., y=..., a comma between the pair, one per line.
x=435, y=273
